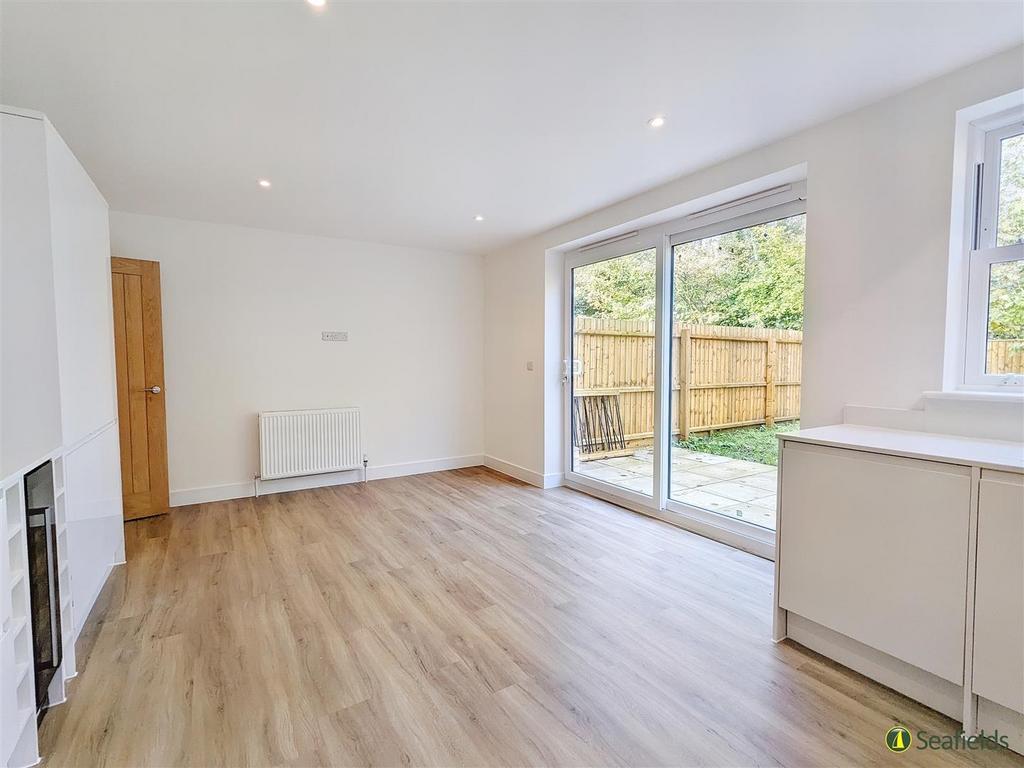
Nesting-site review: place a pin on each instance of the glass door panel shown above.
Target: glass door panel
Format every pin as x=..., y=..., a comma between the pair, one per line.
x=737, y=312
x=612, y=371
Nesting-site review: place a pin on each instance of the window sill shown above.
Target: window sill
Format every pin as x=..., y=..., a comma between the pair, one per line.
x=1000, y=395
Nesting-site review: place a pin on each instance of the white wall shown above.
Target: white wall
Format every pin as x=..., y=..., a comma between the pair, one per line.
x=878, y=215
x=514, y=324
x=243, y=310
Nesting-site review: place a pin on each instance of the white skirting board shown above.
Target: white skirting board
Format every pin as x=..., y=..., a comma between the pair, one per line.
x=186, y=496
x=550, y=480
x=939, y=694
x=922, y=686
x=993, y=717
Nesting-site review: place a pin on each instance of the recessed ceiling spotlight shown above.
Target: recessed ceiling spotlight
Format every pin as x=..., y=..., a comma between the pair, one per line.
x=317, y=3
x=265, y=183
x=478, y=217
x=657, y=121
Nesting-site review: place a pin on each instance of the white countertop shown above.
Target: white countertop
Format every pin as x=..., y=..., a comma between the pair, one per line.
x=988, y=454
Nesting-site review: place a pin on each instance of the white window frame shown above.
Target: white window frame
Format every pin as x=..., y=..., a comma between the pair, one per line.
x=988, y=203
x=982, y=252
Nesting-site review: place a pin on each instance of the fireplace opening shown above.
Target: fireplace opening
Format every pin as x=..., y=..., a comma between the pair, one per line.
x=44, y=584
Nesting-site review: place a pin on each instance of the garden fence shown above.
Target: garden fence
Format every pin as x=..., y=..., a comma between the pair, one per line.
x=722, y=377
x=1005, y=356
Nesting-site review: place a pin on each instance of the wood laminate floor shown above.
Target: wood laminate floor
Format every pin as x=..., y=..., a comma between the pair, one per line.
x=455, y=619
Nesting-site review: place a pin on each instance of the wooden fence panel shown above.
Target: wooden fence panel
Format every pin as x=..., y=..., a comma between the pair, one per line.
x=789, y=359
x=732, y=377
x=721, y=376
x=1005, y=356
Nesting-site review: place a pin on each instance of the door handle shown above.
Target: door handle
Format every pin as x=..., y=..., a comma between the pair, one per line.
x=152, y=390
x=571, y=368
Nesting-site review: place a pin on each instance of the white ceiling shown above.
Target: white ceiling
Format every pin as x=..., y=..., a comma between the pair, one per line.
x=398, y=123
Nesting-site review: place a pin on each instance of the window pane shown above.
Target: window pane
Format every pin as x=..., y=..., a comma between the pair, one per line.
x=1011, y=191
x=1005, y=318
x=737, y=310
x=613, y=371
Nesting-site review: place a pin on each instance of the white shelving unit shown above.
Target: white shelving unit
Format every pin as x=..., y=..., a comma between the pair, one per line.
x=68, y=666
x=18, y=738
x=19, y=700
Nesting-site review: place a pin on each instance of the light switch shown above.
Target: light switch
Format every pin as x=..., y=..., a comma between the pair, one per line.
x=529, y=365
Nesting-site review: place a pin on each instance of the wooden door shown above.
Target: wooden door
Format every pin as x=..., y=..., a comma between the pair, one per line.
x=142, y=418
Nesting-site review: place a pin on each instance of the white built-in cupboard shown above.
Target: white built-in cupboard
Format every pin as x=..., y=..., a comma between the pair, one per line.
x=901, y=555
x=57, y=400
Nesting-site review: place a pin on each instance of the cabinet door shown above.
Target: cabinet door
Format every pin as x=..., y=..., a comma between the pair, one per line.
x=875, y=548
x=999, y=595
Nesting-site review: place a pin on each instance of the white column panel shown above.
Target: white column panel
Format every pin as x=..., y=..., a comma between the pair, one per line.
x=30, y=389
x=80, y=243
x=95, y=524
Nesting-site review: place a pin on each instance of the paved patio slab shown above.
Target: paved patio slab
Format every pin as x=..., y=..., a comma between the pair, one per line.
x=743, y=490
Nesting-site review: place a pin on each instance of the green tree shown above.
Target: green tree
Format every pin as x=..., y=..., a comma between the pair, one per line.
x=1006, y=279
x=620, y=289
x=1006, y=300
x=753, y=277
x=1010, y=229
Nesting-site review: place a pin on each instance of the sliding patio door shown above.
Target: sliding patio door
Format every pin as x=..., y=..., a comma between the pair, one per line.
x=737, y=333
x=683, y=363
x=610, y=373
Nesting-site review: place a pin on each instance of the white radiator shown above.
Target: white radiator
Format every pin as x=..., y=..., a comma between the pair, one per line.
x=296, y=443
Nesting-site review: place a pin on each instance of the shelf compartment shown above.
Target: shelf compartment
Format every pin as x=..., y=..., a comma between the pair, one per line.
x=14, y=530
x=58, y=475
x=22, y=641
x=16, y=554
x=62, y=546
x=26, y=695
x=13, y=502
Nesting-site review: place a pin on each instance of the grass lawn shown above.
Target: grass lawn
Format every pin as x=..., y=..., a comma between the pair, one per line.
x=748, y=443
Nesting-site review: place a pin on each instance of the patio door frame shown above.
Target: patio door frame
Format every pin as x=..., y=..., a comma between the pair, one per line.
x=770, y=205
x=613, y=248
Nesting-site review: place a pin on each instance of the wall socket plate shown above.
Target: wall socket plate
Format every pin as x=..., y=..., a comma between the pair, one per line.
x=333, y=335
